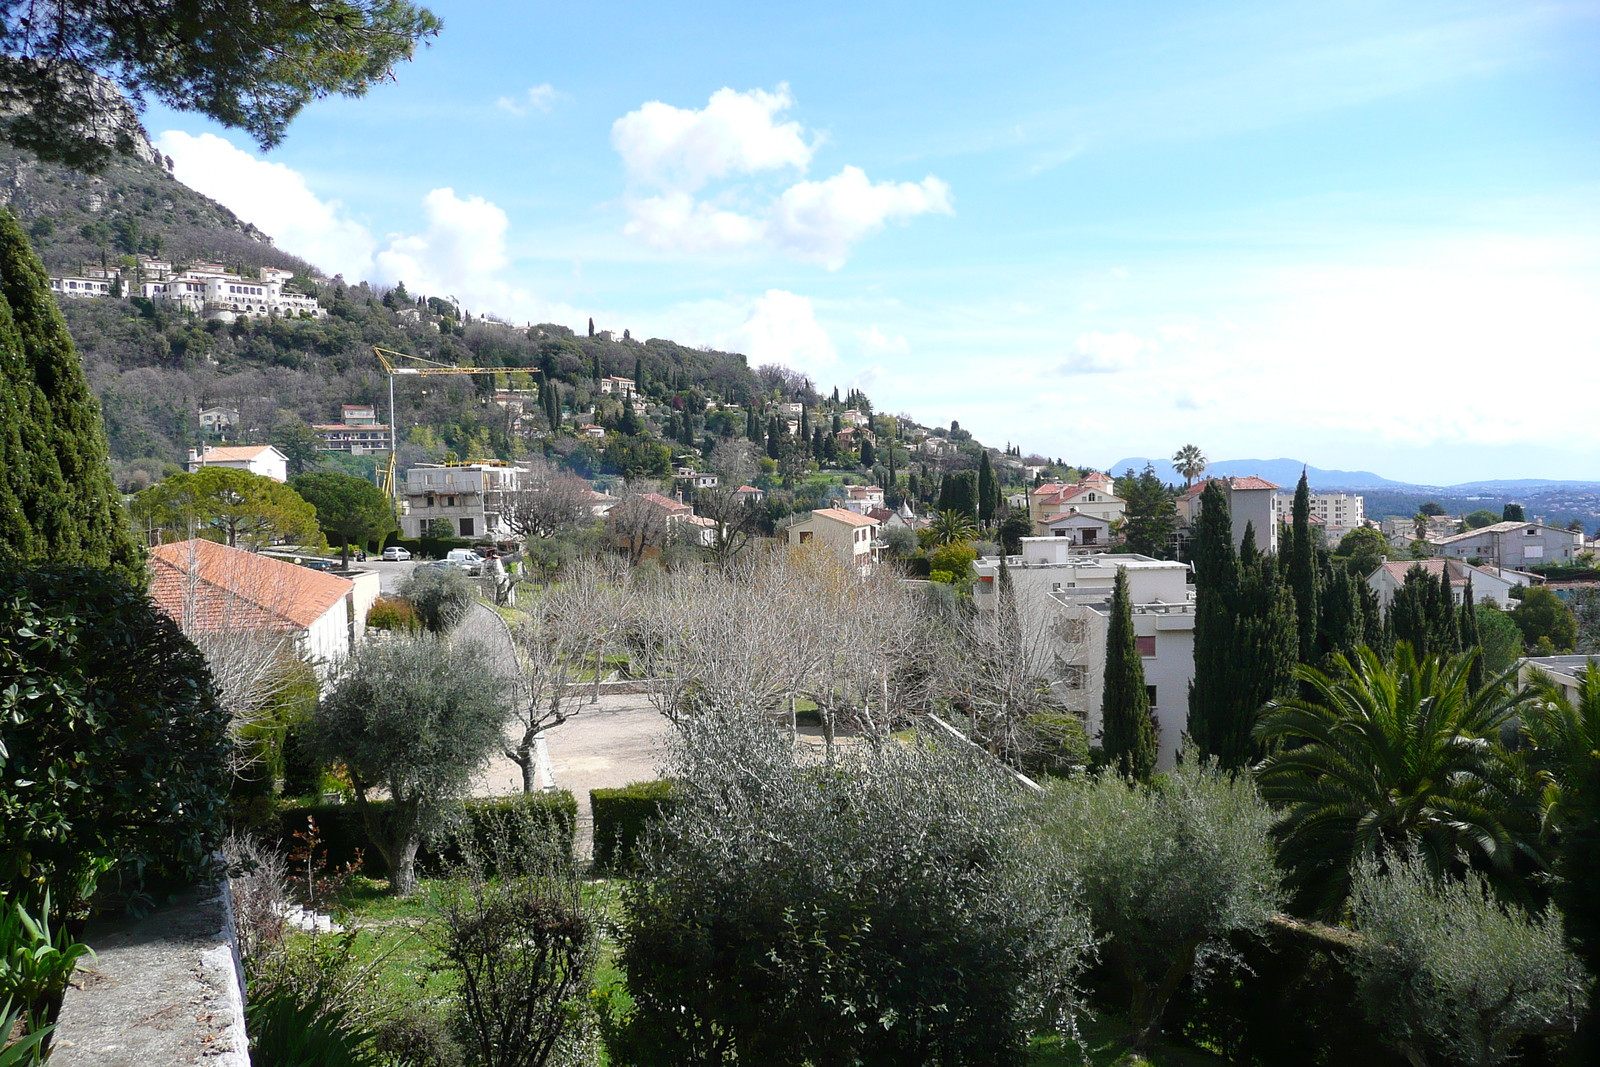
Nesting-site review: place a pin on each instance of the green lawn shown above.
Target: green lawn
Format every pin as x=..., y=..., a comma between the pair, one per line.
x=1103, y=1040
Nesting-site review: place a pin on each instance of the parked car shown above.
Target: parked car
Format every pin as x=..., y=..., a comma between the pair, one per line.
x=394, y=554
x=319, y=564
x=466, y=559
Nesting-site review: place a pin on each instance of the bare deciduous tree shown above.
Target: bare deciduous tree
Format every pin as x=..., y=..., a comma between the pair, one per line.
x=545, y=502
x=637, y=522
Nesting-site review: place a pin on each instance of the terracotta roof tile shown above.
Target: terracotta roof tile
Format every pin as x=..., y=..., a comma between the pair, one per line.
x=233, y=452
x=849, y=518
x=217, y=587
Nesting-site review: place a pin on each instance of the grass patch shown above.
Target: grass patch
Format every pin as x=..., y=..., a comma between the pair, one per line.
x=1103, y=1043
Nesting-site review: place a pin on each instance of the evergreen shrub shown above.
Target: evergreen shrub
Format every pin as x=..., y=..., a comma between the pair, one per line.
x=621, y=817
x=343, y=833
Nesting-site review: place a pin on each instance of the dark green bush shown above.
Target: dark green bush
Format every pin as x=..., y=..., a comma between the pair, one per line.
x=621, y=816
x=343, y=833
x=115, y=752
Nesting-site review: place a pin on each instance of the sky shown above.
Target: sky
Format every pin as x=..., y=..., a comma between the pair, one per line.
x=1365, y=235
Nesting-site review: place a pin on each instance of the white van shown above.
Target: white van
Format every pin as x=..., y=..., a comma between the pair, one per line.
x=466, y=559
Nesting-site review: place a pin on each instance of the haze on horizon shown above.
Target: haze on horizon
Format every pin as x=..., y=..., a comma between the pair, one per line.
x=1364, y=236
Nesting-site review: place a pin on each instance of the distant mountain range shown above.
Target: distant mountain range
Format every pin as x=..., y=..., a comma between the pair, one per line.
x=1286, y=472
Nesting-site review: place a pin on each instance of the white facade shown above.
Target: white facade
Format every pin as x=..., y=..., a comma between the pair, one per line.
x=622, y=387
x=1489, y=584
x=220, y=294
x=470, y=496
x=264, y=460
x=1338, y=513
x=74, y=286
x=852, y=536
x=1067, y=594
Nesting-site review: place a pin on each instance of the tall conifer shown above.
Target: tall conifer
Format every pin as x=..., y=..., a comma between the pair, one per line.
x=988, y=490
x=1303, y=572
x=57, y=502
x=1215, y=580
x=1471, y=642
x=1127, y=730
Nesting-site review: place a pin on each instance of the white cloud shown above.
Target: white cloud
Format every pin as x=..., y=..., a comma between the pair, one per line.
x=539, y=98
x=1104, y=353
x=462, y=252
x=782, y=327
x=819, y=221
x=675, y=220
x=875, y=342
x=273, y=197
x=735, y=133
x=675, y=152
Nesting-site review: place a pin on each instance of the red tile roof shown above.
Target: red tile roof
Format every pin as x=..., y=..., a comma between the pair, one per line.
x=233, y=453
x=1253, y=482
x=202, y=583
x=667, y=502
x=849, y=518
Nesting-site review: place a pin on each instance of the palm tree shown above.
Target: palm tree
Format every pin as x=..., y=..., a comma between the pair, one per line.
x=952, y=527
x=1564, y=746
x=1190, y=462
x=1394, y=759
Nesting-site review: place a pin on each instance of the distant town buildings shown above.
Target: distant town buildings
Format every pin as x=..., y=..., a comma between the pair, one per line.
x=209, y=290
x=1513, y=544
x=1335, y=513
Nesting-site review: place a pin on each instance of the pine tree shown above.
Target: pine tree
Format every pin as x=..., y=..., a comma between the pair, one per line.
x=57, y=502
x=1470, y=640
x=1303, y=573
x=1215, y=581
x=1128, y=733
x=988, y=490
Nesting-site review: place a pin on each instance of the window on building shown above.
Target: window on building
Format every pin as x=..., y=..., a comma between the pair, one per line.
x=466, y=528
x=1145, y=645
x=1150, y=690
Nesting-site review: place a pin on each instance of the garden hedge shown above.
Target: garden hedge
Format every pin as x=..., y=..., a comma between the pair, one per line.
x=621, y=816
x=343, y=832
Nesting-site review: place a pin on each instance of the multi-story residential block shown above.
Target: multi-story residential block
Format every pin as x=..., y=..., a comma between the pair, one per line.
x=1063, y=600
x=358, y=432
x=264, y=460
x=852, y=536
x=219, y=294
x=1513, y=544
x=1489, y=584
x=1252, y=502
x=1336, y=513
x=72, y=285
x=471, y=497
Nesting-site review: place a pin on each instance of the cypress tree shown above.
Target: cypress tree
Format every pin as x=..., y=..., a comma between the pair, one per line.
x=1375, y=632
x=805, y=425
x=1470, y=641
x=943, y=505
x=1303, y=573
x=595, y=364
x=988, y=490
x=752, y=426
x=57, y=502
x=1009, y=621
x=1446, y=638
x=816, y=442
x=1127, y=730
x=638, y=373
x=550, y=394
x=1215, y=580
x=774, y=438
x=1341, y=625
x=867, y=457
x=838, y=423
x=1412, y=608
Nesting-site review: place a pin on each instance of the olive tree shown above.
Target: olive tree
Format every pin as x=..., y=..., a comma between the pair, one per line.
x=878, y=910
x=1450, y=975
x=1169, y=871
x=415, y=717
x=441, y=596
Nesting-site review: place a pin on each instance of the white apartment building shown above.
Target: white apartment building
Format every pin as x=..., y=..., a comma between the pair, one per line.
x=1336, y=513
x=264, y=460
x=1251, y=502
x=213, y=291
x=74, y=286
x=469, y=496
x=1065, y=596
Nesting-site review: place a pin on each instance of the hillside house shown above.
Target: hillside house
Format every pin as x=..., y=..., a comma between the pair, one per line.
x=1091, y=496
x=264, y=460
x=357, y=432
x=621, y=388
x=852, y=537
x=749, y=494
x=1513, y=544
x=1080, y=530
x=1489, y=584
x=208, y=587
x=220, y=295
x=214, y=422
x=863, y=498
x=1063, y=600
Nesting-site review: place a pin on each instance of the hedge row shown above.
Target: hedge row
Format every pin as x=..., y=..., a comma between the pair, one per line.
x=621, y=817
x=343, y=832
x=429, y=547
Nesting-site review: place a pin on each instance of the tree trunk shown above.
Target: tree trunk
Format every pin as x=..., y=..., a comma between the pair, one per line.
x=402, y=859
x=1149, y=1002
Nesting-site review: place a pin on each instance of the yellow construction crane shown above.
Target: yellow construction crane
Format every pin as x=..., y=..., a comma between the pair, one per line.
x=401, y=363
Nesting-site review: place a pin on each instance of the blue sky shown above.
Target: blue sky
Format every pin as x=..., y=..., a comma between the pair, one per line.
x=1365, y=235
